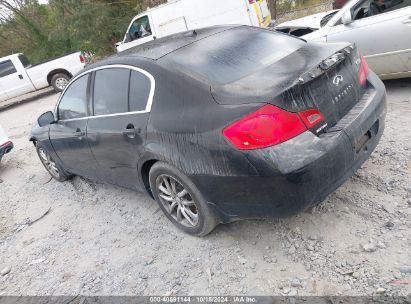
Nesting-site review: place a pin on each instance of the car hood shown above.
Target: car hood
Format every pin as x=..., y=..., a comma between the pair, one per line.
x=312, y=21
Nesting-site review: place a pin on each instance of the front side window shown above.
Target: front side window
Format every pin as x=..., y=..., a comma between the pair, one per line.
x=111, y=91
x=73, y=104
x=7, y=68
x=140, y=28
x=370, y=8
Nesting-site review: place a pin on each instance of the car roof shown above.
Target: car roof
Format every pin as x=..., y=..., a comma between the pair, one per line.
x=159, y=48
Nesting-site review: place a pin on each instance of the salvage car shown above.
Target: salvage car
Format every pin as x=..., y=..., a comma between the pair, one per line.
x=6, y=145
x=219, y=124
x=380, y=28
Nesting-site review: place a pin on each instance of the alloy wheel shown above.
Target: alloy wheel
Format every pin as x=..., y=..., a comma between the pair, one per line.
x=61, y=83
x=49, y=163
x=177, y=201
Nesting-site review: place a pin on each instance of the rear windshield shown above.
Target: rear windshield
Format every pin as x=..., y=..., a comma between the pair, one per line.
x=233, y=54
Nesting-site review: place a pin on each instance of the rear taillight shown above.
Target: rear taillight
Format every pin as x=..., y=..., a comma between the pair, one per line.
x=269, y=126
x=363, y=71
x=251, y=1
x=82, y=59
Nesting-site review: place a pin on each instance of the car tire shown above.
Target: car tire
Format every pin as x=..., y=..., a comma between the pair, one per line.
x=59, y=81
x=54, y=169
x=180, y=200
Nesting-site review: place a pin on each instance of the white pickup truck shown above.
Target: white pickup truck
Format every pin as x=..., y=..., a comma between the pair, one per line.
x=18, y=76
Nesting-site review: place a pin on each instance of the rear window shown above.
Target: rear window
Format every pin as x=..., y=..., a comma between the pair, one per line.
x=24, y=61
x=233, y=54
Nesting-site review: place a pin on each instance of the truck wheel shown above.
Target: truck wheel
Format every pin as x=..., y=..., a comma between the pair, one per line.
x=60, y=81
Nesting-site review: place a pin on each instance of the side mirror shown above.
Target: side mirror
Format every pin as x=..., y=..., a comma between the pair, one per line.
x=346, y=17
x=46, y=119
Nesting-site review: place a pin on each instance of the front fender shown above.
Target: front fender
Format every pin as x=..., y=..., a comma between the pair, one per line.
x=40, y=135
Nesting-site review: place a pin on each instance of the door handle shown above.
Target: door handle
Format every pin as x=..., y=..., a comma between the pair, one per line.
x=21, y=76
x=129, y=131
x=79, y=133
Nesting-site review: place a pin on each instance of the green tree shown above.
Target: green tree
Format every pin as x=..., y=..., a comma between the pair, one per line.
x=42, y=31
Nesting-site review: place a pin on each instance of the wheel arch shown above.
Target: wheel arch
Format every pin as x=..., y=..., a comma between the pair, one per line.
x=145, y=174
x=57, y=71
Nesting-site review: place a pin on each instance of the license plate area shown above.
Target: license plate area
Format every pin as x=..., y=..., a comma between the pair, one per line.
x=362, y=142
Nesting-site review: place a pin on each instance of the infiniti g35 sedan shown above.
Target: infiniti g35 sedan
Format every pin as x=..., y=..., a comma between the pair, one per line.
x=218, y=124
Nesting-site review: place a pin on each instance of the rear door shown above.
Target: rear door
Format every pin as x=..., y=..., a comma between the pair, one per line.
x=122, y=99
x=68, y=135
x=382, y=31
x=13, y=79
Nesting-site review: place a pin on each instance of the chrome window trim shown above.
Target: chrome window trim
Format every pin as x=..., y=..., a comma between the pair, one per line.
x=112, y=66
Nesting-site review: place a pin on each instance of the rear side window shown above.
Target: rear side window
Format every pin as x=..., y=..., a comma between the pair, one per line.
x=7, y=68
x=111, y=91
x=73, y=104
x=24, y=61
x=139, y=91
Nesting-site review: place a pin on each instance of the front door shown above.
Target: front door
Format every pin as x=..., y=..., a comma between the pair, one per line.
x=117, y=130
x=68, y=135
x=382, y=31
x=13, y=82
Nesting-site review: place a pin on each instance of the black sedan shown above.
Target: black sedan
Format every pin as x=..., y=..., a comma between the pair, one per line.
x=219, y=124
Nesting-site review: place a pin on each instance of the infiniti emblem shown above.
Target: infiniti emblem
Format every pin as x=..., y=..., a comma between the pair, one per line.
x=338, y=80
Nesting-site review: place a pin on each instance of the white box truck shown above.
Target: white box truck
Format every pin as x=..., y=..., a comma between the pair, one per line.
x=182, y=15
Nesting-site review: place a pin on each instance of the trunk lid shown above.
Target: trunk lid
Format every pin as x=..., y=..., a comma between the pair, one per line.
x=332, y=87
x=316, y=76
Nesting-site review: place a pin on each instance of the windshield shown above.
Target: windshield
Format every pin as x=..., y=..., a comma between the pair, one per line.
x=233, y=54
x=327, y=18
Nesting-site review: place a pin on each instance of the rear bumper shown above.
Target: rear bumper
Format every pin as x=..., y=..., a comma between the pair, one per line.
x=303, y=171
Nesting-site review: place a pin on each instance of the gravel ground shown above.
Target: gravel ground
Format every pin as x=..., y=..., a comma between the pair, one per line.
x=98, y=239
